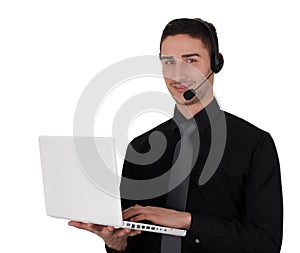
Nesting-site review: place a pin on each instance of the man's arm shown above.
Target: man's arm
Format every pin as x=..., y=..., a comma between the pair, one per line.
x=259, y=231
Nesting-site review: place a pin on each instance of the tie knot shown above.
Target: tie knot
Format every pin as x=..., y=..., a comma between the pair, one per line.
x=187, y=128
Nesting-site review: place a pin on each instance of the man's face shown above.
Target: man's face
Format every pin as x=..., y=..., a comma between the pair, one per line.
x=185, y=63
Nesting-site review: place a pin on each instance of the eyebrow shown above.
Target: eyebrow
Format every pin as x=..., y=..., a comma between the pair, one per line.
x=189, y=55
x=163, y=57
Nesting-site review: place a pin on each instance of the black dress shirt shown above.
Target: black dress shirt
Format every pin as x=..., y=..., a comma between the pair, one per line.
x=239, y=209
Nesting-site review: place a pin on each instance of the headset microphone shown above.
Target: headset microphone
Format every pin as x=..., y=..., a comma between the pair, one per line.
x=189, y=94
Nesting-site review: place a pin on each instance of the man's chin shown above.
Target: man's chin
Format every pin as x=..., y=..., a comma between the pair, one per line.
x=182, y=101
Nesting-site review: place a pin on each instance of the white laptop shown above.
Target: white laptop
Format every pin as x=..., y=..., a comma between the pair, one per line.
x=81, y=183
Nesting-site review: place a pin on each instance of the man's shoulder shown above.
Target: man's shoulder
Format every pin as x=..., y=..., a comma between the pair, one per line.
x=243, y=129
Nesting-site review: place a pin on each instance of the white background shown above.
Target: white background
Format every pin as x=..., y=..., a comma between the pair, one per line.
x=50, y=50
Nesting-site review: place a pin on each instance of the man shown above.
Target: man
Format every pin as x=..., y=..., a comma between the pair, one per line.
x=239, y=208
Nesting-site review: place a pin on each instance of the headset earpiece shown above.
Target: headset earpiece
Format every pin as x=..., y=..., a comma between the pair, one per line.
x=217, y=62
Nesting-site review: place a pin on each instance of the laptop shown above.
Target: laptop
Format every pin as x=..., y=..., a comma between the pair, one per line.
x=81, y=182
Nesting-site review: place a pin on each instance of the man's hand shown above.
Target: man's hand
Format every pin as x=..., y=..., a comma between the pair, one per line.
x=159, y=216
x=113, y=238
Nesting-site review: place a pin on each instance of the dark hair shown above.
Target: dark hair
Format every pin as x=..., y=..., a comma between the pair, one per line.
x=191, y=27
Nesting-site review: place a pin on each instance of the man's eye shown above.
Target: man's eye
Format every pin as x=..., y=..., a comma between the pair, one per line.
x=169, y=62
x=190, y=60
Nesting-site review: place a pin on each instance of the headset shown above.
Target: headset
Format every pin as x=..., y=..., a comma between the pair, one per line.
x=216, y=61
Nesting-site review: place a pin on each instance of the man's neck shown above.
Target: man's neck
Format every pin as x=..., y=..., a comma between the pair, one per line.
x=189, y=111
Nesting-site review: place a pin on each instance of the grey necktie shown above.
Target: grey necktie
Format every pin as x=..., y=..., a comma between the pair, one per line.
x=177, y=198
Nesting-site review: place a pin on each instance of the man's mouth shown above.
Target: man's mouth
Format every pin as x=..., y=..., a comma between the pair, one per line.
x=181, y=87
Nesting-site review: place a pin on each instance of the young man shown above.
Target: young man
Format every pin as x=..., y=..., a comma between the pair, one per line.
x=239, y=208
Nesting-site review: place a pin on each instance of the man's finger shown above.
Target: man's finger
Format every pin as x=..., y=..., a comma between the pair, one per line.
x=93, y=228
x=82, y=225
x=96, y=226
x=76, y=224
x=122, y=232
x=133, y=211
x=135, y=232
x=110, y=228
x=132, y=208
x=141, y=217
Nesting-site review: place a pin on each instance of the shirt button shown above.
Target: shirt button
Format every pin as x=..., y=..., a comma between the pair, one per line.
x=197, y=241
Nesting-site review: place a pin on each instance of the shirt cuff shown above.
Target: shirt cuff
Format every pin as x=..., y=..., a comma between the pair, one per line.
x=201, y=232
x=202, y=225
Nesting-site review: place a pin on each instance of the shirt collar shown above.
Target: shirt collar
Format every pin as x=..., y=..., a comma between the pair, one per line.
x=201, y=118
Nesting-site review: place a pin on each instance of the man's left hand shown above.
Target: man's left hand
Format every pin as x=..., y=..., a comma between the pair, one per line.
x=158, y=216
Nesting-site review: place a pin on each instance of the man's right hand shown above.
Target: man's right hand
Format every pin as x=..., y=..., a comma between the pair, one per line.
x=114, y=238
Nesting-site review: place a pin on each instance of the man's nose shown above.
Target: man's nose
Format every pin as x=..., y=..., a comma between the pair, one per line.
x=179, y=71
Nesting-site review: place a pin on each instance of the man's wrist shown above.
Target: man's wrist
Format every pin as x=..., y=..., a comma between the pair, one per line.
x=187, y=220
x=111, y=249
